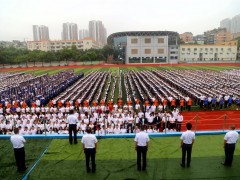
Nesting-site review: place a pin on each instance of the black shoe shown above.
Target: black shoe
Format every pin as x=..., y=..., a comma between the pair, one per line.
x=139, y=169
x=94, y=170
x=224, y=164
x=143, y=169
x=75, y=142
x=188, y=166
x=88, y=170
x=182, y=165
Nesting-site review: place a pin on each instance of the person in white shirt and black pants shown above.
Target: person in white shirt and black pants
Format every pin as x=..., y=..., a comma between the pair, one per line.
x=72, y=122
x=141, y=146
x=18, y=145
x=230, y=140
x=187, y=140
x=89, y=142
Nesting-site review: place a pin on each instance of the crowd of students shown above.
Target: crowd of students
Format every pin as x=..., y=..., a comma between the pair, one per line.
x=40, y=104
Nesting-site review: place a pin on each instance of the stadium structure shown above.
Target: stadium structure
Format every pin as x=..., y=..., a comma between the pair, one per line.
x=146, y=46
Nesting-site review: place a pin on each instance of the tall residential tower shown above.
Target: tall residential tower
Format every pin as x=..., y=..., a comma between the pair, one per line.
x=70, y=31
x=40, y=33
x=98, y=32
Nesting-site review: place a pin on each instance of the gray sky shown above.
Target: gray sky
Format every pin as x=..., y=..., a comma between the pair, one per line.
x=196, y=16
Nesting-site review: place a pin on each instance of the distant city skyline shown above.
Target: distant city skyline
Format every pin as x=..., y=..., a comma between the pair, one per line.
x=18, y=17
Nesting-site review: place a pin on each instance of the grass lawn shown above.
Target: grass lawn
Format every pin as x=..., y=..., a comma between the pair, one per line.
x=116, y=159
x=8, y=168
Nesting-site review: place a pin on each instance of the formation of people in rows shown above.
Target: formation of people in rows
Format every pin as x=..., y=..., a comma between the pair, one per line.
x=103, y=119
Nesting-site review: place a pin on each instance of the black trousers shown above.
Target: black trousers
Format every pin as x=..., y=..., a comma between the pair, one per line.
x=20, y=158
x=141, y=157
x=229, y=151
x=186, y=148
x=90, y=153
x=72, y=128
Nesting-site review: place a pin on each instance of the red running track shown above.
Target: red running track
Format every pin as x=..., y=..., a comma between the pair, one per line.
x=212, y=120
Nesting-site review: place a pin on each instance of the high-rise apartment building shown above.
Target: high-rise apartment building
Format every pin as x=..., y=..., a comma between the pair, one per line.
x=83, y=33
x=70, y=31
x=235, y=24
x=226, y=23
x=217, y=36
x=98, y=32
x=40, y=33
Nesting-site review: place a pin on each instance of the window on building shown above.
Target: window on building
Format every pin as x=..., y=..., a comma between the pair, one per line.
x=183, y=49
x=195, y=49
x=147, y=40
x=206, y=49
x=160, y=40
x=160, y=51
x=211, y=49
x=134, y=41
x=147, y=51
x=134, y=51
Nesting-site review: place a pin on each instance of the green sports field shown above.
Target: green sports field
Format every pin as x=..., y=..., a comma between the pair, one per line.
x=39, y=71
x=116, y=159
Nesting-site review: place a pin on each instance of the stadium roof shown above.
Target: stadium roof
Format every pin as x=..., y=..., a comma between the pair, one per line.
x=140, y=33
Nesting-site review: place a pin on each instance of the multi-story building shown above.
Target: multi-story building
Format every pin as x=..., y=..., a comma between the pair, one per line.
x=40, y=33
x=199, y=39
x=187, y=37
x=146, y=46
x=98, y=32
x=226, y=23
x=84, y=44
x=83, y=33
x=226, y=51
x=217, y=36
x=235, y=24
x=70, y=31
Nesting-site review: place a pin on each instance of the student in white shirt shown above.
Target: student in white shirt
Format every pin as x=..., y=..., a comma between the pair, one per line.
x=89, y=144
x=19, y=152
x=141, y=146
x=230, y=140
x=187, y=140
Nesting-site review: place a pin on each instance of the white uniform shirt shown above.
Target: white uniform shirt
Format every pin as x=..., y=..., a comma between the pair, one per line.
x=72, y=119
x=17, y=141
x=141, y=138
x=89, y=140
x=231, y=137
x=188, y=137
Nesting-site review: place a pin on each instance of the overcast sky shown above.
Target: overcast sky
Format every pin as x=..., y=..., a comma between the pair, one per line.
x=196, y=16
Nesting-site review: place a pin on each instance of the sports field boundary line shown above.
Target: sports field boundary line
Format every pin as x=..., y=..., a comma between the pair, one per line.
x=25, y=176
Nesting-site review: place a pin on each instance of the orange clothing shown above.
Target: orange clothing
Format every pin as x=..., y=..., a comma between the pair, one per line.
x=110, y=103
x=102, y=102
x=15, y=104
x=8, y=105
x=120, y=102
x=137, y=101
x=67, y=104
x=173, y=103
x=76, y=103
x=50, y=103
x=182, y=102
x=129, y=103
x=95, y=103
x=59, y=103
x=146, y=103
x=24, y=105
x=155, y=102
x=189, y=103
x=164, y=102
x=34, y=104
